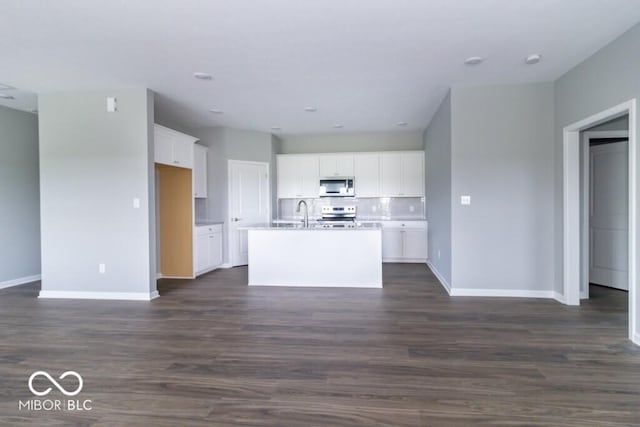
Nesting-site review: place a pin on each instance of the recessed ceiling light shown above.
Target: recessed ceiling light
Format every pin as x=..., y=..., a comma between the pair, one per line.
x=533, y=59
x=276, y=128
x=338, y=126
x=474, y=60
x=5, y=87
x=5, y=96
x=216, y=111
x=402, y=124
x=310, y=109
x=202, y=76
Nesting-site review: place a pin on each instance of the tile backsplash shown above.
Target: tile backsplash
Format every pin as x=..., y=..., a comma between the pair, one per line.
x=374, y=208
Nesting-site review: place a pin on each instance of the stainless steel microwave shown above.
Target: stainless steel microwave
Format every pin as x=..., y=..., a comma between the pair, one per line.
x=337, y=187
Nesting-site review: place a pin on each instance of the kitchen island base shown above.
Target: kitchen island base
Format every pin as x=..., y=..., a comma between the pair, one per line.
x=311, y=257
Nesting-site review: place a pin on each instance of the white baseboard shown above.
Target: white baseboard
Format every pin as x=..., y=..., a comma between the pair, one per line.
x=226, y=265
x=636, y=339
x=131, y=296
x=509, y=293
x=158, y=276
x=440, y=277
x=558, y=297
x=19, y=281
x=176, y=277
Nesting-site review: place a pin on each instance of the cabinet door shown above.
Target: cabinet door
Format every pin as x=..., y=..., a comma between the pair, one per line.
x=414, y=245
x=327, y=166
x=412, y=174
x=391, y=244
x=215, y=249
x=308, y=171
x=202, y=251
x=367, y=175
x=344, y=165
x=183, y=153
x=289, y=184
x=390, y=174
x=336, y=165
x=163, y=147
x=200, y=171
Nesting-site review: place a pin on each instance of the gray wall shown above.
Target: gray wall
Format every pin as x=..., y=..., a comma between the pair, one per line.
x=231, y=144
x=437, y=146
x=604, y=80
x=92, y=165
x=502, y=155
x=19, y=193
x=338, y=142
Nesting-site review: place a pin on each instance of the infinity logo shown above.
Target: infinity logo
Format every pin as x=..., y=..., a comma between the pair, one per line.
x=55, y=383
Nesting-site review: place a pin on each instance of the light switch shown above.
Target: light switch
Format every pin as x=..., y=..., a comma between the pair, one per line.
x=102, y=268
x=112, y=105
x=465, y=200
x=136, y=203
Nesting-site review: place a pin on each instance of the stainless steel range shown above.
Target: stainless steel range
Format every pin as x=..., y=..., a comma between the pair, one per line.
x=338, y=217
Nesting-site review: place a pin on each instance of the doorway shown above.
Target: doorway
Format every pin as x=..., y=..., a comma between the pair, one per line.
x=605, y=206
x=573, y=215
x=249, y=204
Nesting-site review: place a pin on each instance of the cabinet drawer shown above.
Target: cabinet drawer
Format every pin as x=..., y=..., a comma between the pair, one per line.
x=418, y=225
x=208, y=229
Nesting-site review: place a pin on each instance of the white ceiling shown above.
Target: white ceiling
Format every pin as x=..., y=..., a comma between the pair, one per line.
x=365, y=64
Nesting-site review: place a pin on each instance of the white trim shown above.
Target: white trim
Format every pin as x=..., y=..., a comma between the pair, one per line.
x=636, y=339
x=177, y=277
x=19, y=281
x=571, y=209
x=440, y=277
x=509, y=293
x=558, y=297
x=226, y=265
x=132, y=296
x=159, y=276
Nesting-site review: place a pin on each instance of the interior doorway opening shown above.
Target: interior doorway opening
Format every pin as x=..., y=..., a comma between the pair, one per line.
x=577, y=257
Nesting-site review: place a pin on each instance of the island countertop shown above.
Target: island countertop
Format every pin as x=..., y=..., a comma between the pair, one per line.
x=312, y=227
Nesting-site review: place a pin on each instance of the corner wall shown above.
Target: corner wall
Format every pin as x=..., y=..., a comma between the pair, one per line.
x=503, y=156
x=19, y=198
x=92, y=166
x=437, y=146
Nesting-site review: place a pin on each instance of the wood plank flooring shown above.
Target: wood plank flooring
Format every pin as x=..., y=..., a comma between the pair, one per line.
x=215, y=352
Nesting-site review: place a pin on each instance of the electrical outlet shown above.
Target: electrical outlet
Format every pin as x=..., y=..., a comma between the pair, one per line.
x=112, y=104
x=136, y=203
x=465, y=200
x=438, y=253
x=102, y=268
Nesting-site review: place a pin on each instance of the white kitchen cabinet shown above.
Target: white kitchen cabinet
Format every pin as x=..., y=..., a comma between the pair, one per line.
x=366, y=168
x=298, y=176
x=336, y=165
x=404, y=241
x=200, y=171
x=173, y=148
x=402, y=174
x=208, y=248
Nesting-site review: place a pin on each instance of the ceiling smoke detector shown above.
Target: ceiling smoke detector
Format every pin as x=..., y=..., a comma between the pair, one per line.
x=202, y=76
x=310, y=109
x=533, y=59
x=474, y=60
x=216, y=111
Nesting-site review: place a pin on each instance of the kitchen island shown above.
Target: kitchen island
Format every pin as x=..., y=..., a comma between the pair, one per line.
x=292, y=255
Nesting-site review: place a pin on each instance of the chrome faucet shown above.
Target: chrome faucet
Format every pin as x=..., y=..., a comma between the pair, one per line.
x=306, y=212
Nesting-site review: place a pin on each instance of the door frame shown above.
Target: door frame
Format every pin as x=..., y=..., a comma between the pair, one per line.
x=585, y=248
x=231, y=163
x=572, y=208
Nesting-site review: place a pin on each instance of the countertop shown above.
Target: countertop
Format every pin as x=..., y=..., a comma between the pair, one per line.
x=205, y=223
x=312, y=227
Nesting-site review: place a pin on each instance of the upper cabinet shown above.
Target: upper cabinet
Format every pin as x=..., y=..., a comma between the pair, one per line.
x=298, y=176
x=402, y=174
x=383, y=174
x=366, y=168
x=336, y=165
x=173, y=148
x=200, y=171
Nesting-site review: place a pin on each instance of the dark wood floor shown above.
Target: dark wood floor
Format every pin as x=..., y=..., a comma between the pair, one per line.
x=214, y=352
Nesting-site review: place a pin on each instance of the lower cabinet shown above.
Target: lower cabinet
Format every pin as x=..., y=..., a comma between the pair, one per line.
x=208, y=248
x=404, y=241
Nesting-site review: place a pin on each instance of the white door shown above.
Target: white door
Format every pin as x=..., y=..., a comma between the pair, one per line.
x=608, y=215
x=248, y=204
